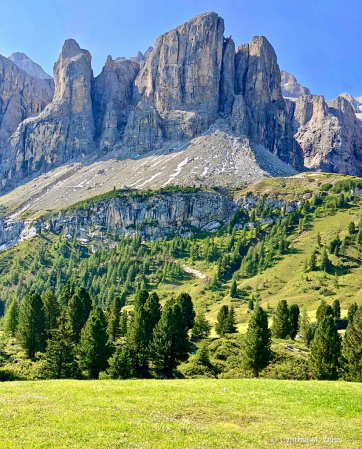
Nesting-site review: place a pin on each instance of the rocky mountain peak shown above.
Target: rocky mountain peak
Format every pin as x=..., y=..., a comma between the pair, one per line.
x=31, y=67
x=291, y=88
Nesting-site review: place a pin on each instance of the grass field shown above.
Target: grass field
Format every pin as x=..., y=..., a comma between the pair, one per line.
x=202, y=413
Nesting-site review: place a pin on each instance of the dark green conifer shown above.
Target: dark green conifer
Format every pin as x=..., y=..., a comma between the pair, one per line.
x=94, y=348
x=201, y=327
x=114, y=319
x=11, y=318
x=352, y=348
x=31, y=328
x=294, y=313
x=336, y=309
x=60, y=360
x=281, y=323
x=256, y=350
x=325, y=350
x=52, y=311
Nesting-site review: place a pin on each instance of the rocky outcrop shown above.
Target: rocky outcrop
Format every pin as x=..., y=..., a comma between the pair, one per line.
x=329, y=135
x=64, y=130
x=21, y=96
x=111, y=96
x=177, y=89
x=291, y=88
x=29, y=66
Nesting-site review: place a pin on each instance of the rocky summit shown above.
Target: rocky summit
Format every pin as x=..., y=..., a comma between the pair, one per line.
x=195, y=109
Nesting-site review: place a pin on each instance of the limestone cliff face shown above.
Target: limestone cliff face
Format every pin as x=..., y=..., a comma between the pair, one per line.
x=64, y=129
x=111, y=96
x=290, y=86
x=177, y=89
x=329, y=135
x=155, y=215
x=21, y=96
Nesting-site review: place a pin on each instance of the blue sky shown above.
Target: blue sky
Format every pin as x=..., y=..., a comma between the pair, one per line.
x=319, y=41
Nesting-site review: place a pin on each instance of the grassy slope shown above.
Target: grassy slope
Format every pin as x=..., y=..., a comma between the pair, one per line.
x=177, y=414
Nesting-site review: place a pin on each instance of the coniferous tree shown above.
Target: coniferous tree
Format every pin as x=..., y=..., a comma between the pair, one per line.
x=52, y=311
x=323, y=310
x=121, y=364
x=123, y=324
x=256, y=350
x=324, y=261
x=76, y=315
x=31, y=328
x=325, y=350
x=294, y=313
x=304, y=322
x=233, y=289
x=251, y=304
x=170, y=344
x=94, y=349
x=11, y=318
x=352, y=309
x=68, y=292
x=153, y=311
x=114, y=319
x=352, y=348
x=202, y=356
x=221, y=320
x=336, y=309
x=87, y=303
x=313, y=261
x=187, y=309
x=201, y=327
x=230, y=323
x=60, y=360
x=281, y=323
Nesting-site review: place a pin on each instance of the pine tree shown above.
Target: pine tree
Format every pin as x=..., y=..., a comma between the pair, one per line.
x=137, y=336
x=153, y=311
x=123, y=324
x=52, y=311
x=351, y=228
x=170, y=344
x=202, y=356
x=94, y=349
x=281, y=323
x=336, y=309
x=114, y=319
x=352, y=309
x=352, y=348
x=294, y=313
x=251, y=304
x=76, y=315
x=201, y=327
x=221, y=320
x=187, y=310
x=304, y=322
x=256, y=350
x=31, y=328
x=87, y=303
x=233, y=289
x=11, y=318
x=325, y=350
x=60, y=360
x=324, y=261
x=323, y=310
x=121, y=364
x=230, y=323
x=68, y=292
x=313, y=261
x=319, y=240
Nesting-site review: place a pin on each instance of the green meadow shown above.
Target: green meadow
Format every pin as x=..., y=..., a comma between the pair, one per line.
x=197, y=413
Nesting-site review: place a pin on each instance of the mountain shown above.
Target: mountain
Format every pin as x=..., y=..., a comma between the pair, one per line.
x=196, y=111
x=24, y=62
x=21, y=96
x=291, y=88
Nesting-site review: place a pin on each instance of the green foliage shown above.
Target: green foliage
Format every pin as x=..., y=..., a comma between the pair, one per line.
x=201, y=327
x=187, y=310
x=225, y=321
x=352, y=309
x=294, y=313
x=281, y=321
x=202, y=356
x=323, y=310
x=11, y=319
x=170, y=344
x=256, y=351
x=94, y=349
x=60, y=358
x=52, y=311
x=325, y=350
x=31, y=328
x=114, y=319
x=121, y=364
x=352, y=348
x=336, y=309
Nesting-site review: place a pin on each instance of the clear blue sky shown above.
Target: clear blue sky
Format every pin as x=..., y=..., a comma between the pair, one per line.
x=319, y=41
